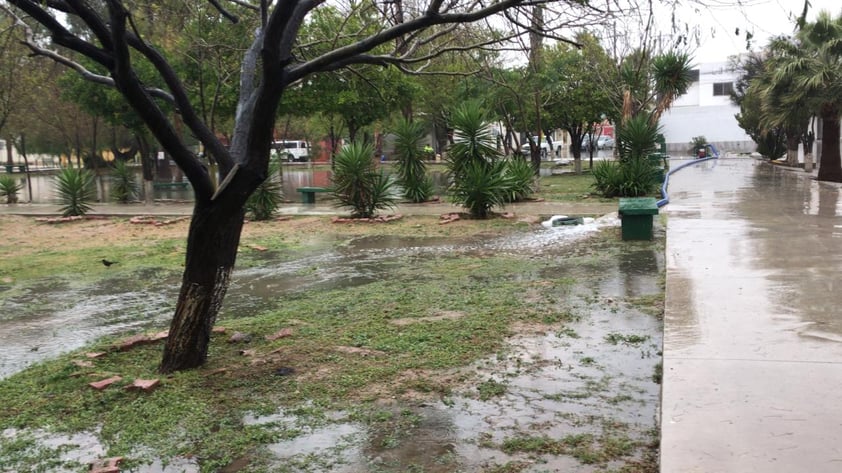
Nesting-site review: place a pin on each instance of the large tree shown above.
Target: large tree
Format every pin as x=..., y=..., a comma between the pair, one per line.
x=106, y=33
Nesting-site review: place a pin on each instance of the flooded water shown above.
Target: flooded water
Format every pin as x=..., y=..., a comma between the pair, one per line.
x=592, y=382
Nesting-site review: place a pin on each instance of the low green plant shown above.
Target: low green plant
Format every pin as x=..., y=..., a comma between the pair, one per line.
x=9, y=189
x=411, y=169
x=521, y=179
x=123, y=183
x=697, y=142
x=358, y=184
x=481, y=188
x=75, y=189
x=608, y=178
x=638, y=137
x=639, y=177
x=262, y=204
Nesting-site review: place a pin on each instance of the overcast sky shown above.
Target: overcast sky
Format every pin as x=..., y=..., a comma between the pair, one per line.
x=764, y=18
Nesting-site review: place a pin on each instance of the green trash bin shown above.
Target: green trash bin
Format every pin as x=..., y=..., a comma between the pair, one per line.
x=636, y=217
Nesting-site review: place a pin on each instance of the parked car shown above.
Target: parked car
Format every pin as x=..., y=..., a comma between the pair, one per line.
x=545, y=147
x=603, y=142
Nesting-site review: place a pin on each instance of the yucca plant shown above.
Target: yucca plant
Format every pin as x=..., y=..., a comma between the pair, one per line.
x=521, y=179
x=123, y=183
x=638, y=137
x=266, y=199
x=358, y=184
x=478, y=179
x=9, y=189
x=481, y=188
x=639, y=177
x=75, y=189
x=608, y=178
x=411, y=170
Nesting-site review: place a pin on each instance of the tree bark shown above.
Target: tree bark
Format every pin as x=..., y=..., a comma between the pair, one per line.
x=212, y=243
x=830, y=167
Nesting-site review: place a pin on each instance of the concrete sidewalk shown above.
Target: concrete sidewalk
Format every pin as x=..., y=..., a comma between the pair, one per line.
x=753, y=326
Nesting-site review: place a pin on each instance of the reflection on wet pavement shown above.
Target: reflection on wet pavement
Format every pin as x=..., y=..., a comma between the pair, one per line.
x=752, y=346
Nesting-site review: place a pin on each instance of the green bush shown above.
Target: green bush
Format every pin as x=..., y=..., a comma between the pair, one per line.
x=262, y=204
x=9, y=188
x=638, y=138
x=75, y=189
x=697, y=142
x=631, y=178
x=521, y=179
x=608, y=178
x=639, y=177
x=481, y=187
x=479, y=180
x=411, y=169
x=358, y=184
x=123, y=183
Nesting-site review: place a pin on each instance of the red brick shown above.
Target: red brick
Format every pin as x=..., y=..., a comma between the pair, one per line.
x=100, y=385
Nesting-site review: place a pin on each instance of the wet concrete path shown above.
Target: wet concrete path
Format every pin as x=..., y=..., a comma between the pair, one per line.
x=753, y=333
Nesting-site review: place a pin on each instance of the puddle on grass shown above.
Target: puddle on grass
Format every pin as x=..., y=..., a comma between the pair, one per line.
x=593, y=379
x=44, y=320
x=59, y=453
x=593, y=382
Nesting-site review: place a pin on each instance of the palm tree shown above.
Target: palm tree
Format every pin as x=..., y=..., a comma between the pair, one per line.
x=816, y=74
x=672, y=76
x=411, y=170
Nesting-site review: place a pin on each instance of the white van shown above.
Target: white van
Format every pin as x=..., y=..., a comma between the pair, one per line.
x=294, y=150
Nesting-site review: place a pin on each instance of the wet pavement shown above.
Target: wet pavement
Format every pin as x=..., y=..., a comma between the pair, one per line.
x=753, y=338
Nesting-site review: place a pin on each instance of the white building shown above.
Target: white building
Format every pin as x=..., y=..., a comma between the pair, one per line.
x=706, y=110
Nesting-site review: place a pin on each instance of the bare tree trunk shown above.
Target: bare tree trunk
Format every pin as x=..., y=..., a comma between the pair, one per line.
x=792, y=140
x=211, y=252
x=830, y=167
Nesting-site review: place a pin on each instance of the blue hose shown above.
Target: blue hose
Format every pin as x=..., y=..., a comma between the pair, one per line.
x=665, y=200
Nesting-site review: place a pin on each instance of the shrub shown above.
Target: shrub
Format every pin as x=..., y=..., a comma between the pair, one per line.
x=123, y=183
x=697, y=142
x=638, y=138
x=358, y=184
x=9, y=189
x=521, y=179
x=479, y=180
x=639, y=177
x=266, y=199
x=481, y=187
x=411, y=170
x=75, y=191
x=608, y=178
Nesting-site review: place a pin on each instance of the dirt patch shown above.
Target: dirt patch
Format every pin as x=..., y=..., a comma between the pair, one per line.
x=443, y=315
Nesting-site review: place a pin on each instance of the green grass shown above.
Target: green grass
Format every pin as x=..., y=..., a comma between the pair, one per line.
x=199, y=413
x=568, y=188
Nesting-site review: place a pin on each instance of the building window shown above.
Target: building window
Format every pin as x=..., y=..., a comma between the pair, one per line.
x=723, y=88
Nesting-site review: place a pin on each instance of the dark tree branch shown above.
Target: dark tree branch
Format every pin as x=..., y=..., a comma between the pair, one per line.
x=346, y=54
x=222, y=11
x=131, y=88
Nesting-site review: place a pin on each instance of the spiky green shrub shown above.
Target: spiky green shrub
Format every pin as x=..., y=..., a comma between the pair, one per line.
x=481, y=188
x=358, y=184
x=411, y=169
x=640, y=177
x=638, y=137
x=473, y=141
x=9, y=188
x=608, y=178
x=75, y=190
x=123, y=183
x=478, y=179
x=262, y=204
x=521, y=179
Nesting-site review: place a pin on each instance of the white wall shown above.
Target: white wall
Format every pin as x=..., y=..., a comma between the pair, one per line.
x=700, y=113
